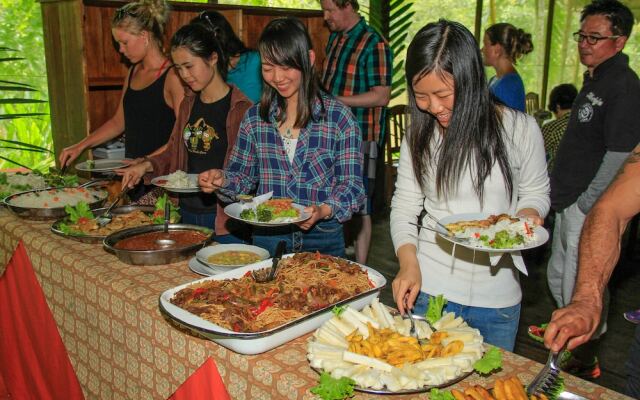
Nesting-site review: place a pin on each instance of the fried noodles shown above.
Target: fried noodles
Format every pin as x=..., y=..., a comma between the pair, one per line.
x=305, y=283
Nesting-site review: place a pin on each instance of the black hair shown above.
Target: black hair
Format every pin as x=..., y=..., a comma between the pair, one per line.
x=473, y=138
x=199, y=41
x=218, y=25
x=562, y=97
x=286, y=42
x=515, y=42
x=618, y=14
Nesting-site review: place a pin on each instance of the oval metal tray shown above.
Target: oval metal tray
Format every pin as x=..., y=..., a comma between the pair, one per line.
x=55, y=228
x=155, y=257
x=40, y=214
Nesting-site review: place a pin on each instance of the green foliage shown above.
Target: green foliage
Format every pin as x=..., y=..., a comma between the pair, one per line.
x=23, y=87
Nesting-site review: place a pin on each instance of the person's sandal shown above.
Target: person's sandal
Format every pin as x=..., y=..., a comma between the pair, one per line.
x=536, y=332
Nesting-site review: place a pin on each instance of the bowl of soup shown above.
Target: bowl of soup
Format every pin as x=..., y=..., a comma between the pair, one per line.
x=151, y=245
x=226, y=256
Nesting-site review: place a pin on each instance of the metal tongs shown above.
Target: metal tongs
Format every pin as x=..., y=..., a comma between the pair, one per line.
x=264, y=275
x=548, y=379
x=444, y=232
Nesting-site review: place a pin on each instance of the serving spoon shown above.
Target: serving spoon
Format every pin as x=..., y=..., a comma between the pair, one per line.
x=264, y=276
x=165, y=243
x=106, y=216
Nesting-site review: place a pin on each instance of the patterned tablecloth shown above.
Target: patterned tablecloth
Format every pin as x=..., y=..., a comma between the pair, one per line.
x=122, y=347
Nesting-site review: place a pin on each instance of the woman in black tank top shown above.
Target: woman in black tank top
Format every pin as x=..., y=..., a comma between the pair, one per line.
x=146, y=115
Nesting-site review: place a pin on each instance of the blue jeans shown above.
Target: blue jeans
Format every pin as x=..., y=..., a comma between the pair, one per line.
x=208, y=220
x=633, y=367
x=325, y=237
x=498, y=326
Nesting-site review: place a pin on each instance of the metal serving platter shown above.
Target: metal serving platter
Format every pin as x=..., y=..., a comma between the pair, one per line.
x=259, y=342
x=155, y=257
x=41, y=214
x=55, y=228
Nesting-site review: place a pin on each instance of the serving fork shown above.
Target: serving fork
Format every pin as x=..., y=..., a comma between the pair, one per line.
x=548, y=380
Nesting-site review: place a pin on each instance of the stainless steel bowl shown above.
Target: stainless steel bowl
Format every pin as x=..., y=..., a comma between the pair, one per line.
x=41, y=214
x=155, y=257
x=55, y=228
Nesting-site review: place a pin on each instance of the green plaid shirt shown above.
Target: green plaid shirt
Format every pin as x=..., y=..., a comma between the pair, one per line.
x=552, y=132
x=358, y=60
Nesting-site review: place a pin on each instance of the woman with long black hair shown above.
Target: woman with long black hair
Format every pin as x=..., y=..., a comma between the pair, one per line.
x=463, y=153
x=299, y=142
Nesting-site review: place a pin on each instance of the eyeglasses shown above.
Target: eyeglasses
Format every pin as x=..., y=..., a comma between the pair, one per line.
x=591, y=39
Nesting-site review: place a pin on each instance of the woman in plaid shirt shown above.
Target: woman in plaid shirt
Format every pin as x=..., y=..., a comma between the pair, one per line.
x=300, y=143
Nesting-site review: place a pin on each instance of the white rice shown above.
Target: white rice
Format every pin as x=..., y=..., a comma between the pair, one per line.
x=181, y=180
x=56, y=198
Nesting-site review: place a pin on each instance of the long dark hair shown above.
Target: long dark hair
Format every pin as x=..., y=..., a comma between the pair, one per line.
x=218, y=25
x=286, y=42
x=199, y=41
x=473, y=138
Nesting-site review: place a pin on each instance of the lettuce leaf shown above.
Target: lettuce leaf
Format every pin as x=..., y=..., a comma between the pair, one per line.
x=81, y=210
x=434, y=311
x=337, y=310
x=491, y=360
x=158, y=214
x=436, y=394
x=330, y=388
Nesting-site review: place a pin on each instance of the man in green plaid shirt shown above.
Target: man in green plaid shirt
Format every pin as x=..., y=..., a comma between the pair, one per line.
x=357, y=70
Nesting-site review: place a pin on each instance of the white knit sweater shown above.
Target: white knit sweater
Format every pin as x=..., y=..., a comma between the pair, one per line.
x=469, y=279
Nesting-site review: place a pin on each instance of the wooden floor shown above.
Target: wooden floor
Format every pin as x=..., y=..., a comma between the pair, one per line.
x=537, y=303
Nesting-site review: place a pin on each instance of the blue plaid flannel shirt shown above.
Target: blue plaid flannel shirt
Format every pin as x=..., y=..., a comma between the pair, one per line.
x=326, y=168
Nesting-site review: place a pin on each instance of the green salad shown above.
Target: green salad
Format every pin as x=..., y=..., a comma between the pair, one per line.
x=502, y=240
x=270, y=211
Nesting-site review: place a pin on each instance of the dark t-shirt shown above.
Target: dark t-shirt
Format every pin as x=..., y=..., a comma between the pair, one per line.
x=205, y=136
x=605, y=117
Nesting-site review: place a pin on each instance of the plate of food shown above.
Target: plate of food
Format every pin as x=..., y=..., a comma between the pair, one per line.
x=81, y=223
x=223, y=257
x=101, y=165
x=493, y=233
x=179, y=182
x=272, y=212
x=374, y=348
x=16, y=182
x=248, y=317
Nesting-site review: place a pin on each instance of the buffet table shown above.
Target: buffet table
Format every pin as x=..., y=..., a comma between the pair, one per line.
x=122, y=347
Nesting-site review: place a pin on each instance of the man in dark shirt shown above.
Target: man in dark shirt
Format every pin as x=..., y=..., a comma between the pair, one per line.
x=603, y=129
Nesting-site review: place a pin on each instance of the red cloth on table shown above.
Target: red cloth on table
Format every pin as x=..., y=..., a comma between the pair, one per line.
x=34, y=363
x=204, y=384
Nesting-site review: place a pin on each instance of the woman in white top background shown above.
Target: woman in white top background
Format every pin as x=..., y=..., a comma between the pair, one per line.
x=463, y=153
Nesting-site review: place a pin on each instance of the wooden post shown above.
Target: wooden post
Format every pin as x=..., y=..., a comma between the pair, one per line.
x=63, y=45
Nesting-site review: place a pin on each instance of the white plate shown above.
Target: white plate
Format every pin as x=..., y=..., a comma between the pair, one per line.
x=101, y=165
x=234, y=210
x=259, y=342
x=203, y=269
x=541, y=234
x=203, y=254
x=158, y=181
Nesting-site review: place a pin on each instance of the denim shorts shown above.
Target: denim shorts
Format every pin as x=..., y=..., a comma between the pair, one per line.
x=498, y=326
x=325, y=237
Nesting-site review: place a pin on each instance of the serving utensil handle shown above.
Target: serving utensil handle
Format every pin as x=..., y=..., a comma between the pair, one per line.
x=167, y=214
